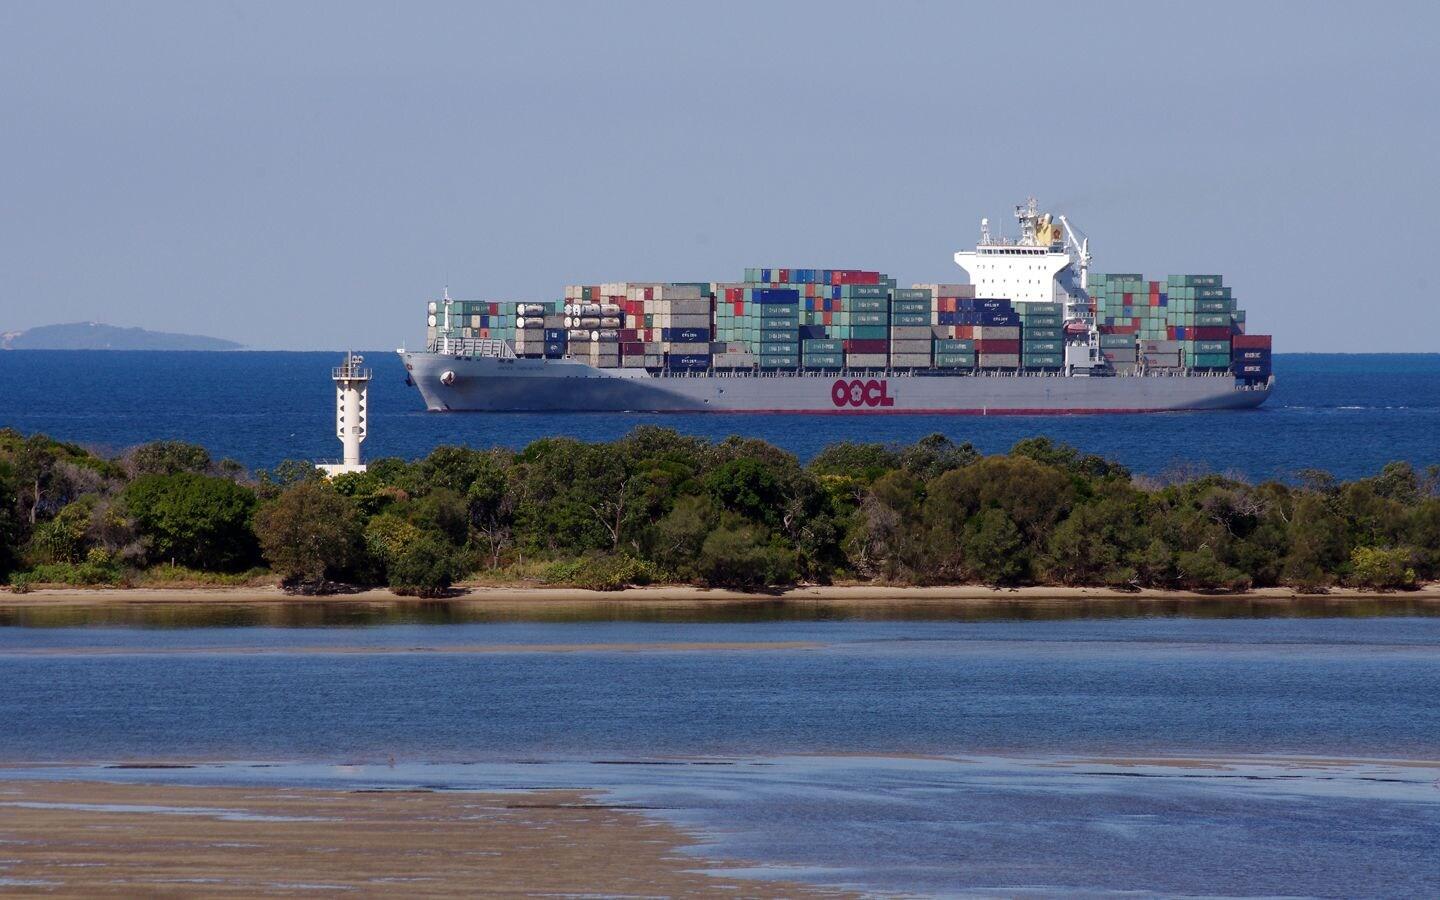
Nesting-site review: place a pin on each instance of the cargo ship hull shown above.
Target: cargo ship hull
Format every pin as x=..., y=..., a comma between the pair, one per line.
x=493, y=384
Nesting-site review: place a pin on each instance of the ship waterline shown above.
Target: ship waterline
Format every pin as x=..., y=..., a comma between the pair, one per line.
x=498, y=384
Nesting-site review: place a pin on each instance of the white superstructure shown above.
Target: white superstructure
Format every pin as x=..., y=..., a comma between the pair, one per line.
x=352, y=383
x=1030, y=268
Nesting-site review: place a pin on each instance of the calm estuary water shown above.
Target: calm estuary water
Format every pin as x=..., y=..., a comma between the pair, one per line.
x=1160, y=755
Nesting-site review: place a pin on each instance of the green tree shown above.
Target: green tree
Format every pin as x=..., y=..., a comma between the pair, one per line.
x=62, y=539
x=861, y=462
x=994, y=549
x=194, y=520
x=425, y=567
x=1317, y=544
x=737, y=555
x=1382, y=568
x=167, y=458
x=750, y=488
x=310, y=533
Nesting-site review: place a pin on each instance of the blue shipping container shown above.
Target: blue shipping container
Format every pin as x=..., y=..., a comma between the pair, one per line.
x=775, y=295
x=690, y=361
x=685, y=335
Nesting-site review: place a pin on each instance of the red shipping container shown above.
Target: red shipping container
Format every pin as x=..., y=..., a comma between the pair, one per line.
x=494, y=309
x=1154, y=299
x=827, y=318
x=964, y=331
x=857, y=345
x=783, y=276
x=993, y=345
x=1208, y=333
x=1251, y=342
x=635, y=348
x=629, y=334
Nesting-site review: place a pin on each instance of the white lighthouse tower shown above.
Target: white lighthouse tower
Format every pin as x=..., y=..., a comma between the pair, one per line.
x=352, y=382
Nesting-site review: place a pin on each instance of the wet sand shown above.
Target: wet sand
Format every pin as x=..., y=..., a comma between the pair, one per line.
x=74, y=839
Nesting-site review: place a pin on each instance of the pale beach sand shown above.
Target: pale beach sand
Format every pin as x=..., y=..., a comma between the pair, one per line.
x=683, y=596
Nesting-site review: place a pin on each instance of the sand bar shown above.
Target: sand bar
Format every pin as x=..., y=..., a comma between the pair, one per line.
x=79, y=839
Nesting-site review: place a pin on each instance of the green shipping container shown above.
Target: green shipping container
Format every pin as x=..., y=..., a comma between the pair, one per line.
x=954, y=345
x=862, y=304
x=869, y=332
x=921, y=294
x=1214, y=347
x=866, y=290
x=1116, y=341
x=824, y=360
x=1042, y=360
x=872, y=319
x=1042, y=322
x=911, y=306
x=779, y=360
x=1041, y=309
x=1043, y=334
x=1212, y=360
x=910, y=320
x=778, y=311
x=824, y=345
x=1029, y=346
x=1214, y=306
x=955, y=360
x=1212, y=320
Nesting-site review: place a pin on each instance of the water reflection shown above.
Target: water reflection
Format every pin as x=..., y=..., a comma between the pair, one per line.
x=349, y=613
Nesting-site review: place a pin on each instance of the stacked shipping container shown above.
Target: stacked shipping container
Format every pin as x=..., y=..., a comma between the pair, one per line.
x=785, y=319
x=1188, y=321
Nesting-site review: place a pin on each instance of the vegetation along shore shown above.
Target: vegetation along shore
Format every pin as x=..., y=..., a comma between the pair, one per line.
x=660, y=508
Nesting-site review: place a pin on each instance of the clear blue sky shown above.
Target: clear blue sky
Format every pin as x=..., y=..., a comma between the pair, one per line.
x=306, y=175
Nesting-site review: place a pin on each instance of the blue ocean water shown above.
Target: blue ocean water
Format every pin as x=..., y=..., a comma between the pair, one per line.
x=1163, y=756
x=1348, y=414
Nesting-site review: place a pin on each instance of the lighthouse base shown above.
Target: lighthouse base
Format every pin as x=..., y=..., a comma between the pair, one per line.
x=333, y=469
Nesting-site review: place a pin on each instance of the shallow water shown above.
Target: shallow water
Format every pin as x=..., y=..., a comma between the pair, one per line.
x=937, y=757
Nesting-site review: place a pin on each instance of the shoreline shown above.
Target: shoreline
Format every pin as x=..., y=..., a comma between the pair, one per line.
x=857, y=597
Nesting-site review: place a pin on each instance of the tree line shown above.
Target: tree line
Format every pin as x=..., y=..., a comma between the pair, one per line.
x=660, y=506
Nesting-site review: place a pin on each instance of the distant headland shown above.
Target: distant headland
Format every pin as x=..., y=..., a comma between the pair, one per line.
x=98, y=336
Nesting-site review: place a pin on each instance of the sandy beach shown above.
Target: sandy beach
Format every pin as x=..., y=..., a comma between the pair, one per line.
x=73, y=839
x=839, y=597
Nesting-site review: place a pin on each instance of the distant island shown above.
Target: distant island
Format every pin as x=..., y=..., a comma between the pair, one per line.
x=97, y=336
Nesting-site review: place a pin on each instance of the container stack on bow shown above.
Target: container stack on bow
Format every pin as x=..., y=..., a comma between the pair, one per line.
x=1185, y=321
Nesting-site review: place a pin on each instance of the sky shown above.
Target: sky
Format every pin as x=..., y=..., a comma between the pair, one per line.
x=308, y=175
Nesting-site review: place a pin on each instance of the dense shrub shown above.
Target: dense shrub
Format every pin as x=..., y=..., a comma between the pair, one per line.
x=310, y=533
x=194, y=520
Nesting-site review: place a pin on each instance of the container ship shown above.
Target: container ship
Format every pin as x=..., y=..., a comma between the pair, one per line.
x=1034, y=331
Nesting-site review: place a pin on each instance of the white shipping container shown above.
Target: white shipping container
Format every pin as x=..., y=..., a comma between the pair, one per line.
x=678, y=292
x=997, y=332
x=911, y=347
x=688, y=348
x=910, y=360
x=865, y=360
x=910, y=333
x=999, y=360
